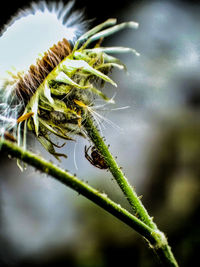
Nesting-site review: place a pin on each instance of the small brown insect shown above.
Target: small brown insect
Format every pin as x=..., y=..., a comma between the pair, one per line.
x=95, y=158
x=9, y=137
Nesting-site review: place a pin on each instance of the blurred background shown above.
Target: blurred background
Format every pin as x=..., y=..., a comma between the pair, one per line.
x=156, y=140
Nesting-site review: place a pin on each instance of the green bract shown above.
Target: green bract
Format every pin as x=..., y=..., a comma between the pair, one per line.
x=59, y=105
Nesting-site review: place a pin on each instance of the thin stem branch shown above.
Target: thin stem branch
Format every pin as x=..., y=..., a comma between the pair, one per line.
x=156, y=239
x=76, y=184
x=163, y=249
x=117, y=173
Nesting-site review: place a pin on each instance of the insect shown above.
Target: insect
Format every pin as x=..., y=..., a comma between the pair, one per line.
x=9, y=137
x=95, y=158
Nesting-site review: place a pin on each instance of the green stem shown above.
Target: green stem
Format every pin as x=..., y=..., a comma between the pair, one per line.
x=81, y=187
x=162, y=248
x=156, y=239
x=117, y=173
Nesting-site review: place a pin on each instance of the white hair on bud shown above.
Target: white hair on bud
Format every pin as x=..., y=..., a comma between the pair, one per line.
x=29, y=34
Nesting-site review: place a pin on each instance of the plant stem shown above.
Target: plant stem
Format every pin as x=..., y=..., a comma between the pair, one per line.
x=117, y=173
x=156, y=239
x=164, y=250
x=81, y=187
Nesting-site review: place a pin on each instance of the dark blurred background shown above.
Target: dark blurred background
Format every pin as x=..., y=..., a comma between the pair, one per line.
x=156, y=140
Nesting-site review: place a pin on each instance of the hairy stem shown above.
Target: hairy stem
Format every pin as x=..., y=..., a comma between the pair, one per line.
x=155, y=238
x=81, y=187
x=117, y=173
x=162, y=248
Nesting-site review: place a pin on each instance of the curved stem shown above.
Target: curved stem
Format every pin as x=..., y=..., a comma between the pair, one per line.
x=156, y=239
x=81, y=187
x=163, y=249
x=117, y=173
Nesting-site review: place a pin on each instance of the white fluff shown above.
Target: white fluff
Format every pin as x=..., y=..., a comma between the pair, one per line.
x=33, y=31
x=28, y=35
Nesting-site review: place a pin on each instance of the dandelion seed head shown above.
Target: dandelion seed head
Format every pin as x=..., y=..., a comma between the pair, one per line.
x=49, y=77
x=25, y=39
